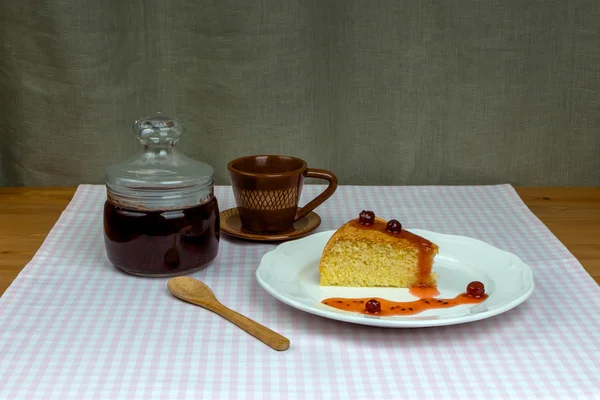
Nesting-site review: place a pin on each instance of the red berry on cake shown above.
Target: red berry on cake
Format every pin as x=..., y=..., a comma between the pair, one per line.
x=366, y=217
x=475, y=289
x=373, y=306
x=393, y=226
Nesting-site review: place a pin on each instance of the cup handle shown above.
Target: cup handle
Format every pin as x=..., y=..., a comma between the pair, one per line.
x=317, y=201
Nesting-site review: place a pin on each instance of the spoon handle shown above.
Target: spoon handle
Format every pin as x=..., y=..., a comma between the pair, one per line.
x=261, y=332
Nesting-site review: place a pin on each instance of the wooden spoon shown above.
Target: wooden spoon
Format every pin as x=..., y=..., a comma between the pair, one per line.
x=196, y=292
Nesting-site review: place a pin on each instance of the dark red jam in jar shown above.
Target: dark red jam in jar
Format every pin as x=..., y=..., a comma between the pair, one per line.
x=162, y=243
x=161, y=217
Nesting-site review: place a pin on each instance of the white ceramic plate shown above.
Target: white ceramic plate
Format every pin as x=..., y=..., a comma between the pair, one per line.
x=290, y=273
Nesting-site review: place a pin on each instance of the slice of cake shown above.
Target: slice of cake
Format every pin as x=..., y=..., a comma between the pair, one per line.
x=369, y=251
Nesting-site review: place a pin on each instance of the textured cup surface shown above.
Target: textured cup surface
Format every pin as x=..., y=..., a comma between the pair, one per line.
x=267, y=189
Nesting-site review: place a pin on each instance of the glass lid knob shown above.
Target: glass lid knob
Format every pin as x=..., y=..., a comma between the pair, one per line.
x=158, y=130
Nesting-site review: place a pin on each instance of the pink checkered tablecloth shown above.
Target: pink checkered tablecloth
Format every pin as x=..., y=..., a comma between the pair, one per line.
x=73, y=327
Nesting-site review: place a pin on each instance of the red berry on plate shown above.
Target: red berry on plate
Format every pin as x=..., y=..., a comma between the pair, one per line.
x=373, y=306
x=393, y=226
x=475, y=289
x=366, y=217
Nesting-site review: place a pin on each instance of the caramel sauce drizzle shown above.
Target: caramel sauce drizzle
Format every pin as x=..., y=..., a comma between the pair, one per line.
x=390, y=308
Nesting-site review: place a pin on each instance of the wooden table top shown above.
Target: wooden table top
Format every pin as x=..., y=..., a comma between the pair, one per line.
x=28, y=214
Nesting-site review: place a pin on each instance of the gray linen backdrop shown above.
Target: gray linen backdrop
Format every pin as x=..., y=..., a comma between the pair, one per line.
x=379, y=92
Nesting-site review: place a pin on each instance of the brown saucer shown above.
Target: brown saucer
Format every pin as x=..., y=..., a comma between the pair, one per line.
x=231, y=225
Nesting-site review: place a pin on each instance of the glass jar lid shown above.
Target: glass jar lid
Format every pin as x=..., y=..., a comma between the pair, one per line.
x=160, y=178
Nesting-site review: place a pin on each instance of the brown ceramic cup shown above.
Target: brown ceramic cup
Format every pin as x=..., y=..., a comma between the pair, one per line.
x=267, y=189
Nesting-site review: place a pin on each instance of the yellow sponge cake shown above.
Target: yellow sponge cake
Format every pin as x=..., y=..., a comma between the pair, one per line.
x=369, y=251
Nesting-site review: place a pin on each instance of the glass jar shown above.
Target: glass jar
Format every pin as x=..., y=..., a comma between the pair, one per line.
x=161, y=217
